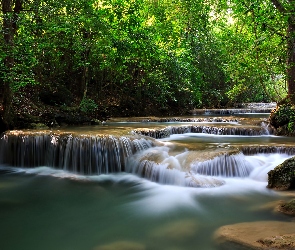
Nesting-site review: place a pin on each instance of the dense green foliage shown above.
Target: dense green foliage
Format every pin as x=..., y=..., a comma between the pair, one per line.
x=135, y=55
x=283, y=119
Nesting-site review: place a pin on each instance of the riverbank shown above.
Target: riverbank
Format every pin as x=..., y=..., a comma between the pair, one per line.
x=35, y=107
x=38, y=108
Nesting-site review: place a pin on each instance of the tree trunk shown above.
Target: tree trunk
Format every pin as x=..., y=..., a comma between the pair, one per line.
x=291, y=59
x=9, y=31
x=290, y=12
x=10, y=17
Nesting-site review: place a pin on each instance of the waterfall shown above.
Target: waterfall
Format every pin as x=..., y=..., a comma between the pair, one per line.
x=170, y=130
x=155, y=164
x=161, y=173
x=250, y=109
x=206, y=119
x=79, y=154
x=224, y=165
x=254, y=150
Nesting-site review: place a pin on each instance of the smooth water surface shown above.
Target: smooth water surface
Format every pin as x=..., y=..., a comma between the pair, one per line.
x=57, y=210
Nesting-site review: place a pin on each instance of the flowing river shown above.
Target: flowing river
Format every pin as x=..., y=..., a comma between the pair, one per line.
x=142, y=183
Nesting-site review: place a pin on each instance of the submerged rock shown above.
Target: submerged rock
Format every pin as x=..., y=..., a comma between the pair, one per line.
x=122, y=245
x=287, y=208
x=256, y=235
x=178, y=231
x=283, y=176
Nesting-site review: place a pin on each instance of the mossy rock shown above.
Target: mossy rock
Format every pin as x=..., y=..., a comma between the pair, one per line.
x=283, y=176
x=288, y=208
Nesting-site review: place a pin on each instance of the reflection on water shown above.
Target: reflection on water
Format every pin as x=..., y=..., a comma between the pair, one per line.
x=46, y=208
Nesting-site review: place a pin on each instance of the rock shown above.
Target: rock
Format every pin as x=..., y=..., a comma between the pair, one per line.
x=178, y=231
x=279, y=242
x=283, y=176
x=122, y=245
x=256, y=235
x=287, y=208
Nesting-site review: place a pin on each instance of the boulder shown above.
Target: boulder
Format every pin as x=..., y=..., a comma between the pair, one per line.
x=256, y=235
x=283, y=176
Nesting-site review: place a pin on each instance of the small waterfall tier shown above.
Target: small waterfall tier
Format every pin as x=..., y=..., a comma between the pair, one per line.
x=244, y=108
x=170, y=130
x=230, y=111
x=161, y=174
x=254, y=150
x=80, y=154
x=206, y=119
x=159, y=164
x=224, y=165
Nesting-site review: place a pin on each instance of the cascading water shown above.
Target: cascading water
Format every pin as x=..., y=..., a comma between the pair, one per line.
x=155, y=164
x=254, y=150
x=79, y=154
x=171, y=130
x=246, y=108
x=166, y=193
x=108, y=154
x=225, y=165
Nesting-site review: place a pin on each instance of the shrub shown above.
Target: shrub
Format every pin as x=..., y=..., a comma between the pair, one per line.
x=87, y=105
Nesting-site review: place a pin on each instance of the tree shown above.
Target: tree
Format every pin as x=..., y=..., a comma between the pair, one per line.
x=271, y=27
x=10, y=17
x=288, y=11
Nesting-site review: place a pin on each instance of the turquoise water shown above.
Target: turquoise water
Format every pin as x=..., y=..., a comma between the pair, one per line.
x=45, y=208
x=56, y=210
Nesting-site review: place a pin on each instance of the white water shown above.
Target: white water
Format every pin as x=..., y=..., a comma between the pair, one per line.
x=156, y=198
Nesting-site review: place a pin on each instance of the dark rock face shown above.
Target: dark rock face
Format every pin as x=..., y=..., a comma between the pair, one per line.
x=283, y=176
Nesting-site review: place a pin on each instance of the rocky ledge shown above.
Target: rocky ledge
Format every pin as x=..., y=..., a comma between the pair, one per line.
x=256, y=235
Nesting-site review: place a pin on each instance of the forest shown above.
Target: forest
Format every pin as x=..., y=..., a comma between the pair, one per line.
x=81, y=61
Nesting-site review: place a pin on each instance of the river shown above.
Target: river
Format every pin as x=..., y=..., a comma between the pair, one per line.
x=79, y=188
